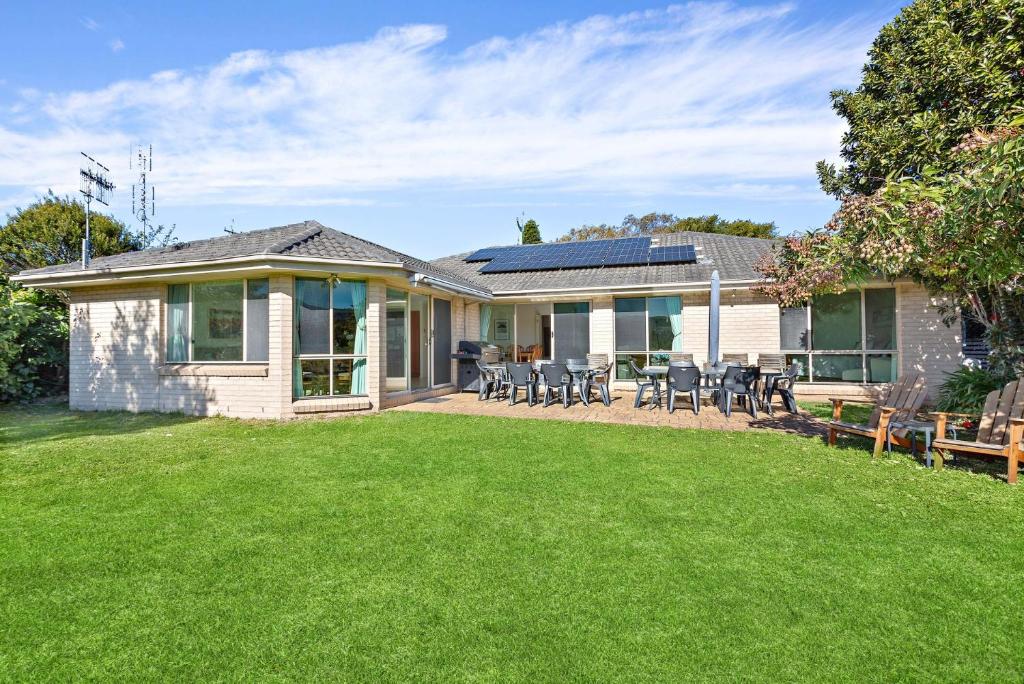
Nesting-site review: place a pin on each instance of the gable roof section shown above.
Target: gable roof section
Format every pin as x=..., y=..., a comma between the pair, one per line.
x=307, y=240
x=734, y=258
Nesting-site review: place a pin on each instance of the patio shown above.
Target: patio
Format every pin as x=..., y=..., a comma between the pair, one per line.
x=622, y=411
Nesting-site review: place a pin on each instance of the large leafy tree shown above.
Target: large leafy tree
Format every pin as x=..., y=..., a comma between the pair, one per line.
x=936, y=72
x=34, y=323
x=50, y=231
x=935, y=166
x=658, y=224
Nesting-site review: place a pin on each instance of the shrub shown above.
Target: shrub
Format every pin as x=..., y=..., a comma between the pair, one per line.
x=965, y=390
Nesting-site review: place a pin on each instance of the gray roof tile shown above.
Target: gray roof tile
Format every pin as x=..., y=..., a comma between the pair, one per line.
x=732, y=256
x=306, y=239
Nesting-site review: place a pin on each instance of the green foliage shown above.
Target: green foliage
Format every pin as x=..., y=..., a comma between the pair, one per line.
x=939, y=70
x=530, y=233
x=33, y=343
x=33, y=323
x=50, y=231
x=966, y=389
x=959, y=234
x=660, y=224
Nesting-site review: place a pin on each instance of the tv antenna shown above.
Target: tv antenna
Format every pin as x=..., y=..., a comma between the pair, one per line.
x=143, y=193
x=95, y=185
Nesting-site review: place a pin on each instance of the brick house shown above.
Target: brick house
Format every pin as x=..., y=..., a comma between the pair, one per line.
x=303, y=319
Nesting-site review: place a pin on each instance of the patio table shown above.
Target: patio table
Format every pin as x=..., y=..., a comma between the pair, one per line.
x=580, y=375
x=655, y=373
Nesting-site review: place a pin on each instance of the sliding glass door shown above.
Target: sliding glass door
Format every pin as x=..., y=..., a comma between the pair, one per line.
x=442, y=341
x=419, y=341
x=572, y=330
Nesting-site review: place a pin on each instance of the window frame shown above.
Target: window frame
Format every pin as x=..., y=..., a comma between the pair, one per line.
x=191, y=323
x=647, y=352
x=330, y=357
x=863, y=352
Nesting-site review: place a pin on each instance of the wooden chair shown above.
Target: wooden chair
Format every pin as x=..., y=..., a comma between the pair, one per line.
x=901, y=402
x=1000, y=431
x=680, y=356
x=741, y=359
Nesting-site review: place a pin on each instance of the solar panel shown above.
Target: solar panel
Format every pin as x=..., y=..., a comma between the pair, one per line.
x=569, y=255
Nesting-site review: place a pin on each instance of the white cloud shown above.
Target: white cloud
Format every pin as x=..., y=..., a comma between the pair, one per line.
x=89, y=23
x=701, y=99
x=116, y=45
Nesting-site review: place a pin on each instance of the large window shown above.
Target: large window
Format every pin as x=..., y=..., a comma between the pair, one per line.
x=847, y=337
x=222, y=320
x=646, y=330
x=497, y=323
x=329, y=337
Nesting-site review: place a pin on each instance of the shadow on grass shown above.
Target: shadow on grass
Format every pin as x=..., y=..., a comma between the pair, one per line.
x=36, y=423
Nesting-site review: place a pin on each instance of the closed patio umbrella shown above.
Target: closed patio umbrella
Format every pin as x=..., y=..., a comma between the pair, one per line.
x=713, y=319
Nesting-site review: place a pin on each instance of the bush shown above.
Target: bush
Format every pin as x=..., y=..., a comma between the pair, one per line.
x=965, y=390
x=33, y=344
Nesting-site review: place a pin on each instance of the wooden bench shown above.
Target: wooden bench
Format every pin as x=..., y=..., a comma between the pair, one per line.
x=901, y=402
x=1000, y=431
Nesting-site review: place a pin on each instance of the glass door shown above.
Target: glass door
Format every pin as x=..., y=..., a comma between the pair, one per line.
x=419, y=341
x=572, y=330
x=442, y=341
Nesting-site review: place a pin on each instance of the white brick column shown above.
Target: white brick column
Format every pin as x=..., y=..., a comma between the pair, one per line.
x=376, y=341
x=279, y=371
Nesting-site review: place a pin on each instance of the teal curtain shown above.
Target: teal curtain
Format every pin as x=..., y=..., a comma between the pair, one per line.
x=359, y=365
x=485, y=322
x=177, y=334
x=296, y=364
x=675, y=316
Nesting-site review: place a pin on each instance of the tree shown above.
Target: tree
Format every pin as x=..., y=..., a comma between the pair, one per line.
x=529, y=232
x=656, y=223
x=33, y=343
x=915, y=203
x=941, y=69
x=960, y=234
x=34, y=323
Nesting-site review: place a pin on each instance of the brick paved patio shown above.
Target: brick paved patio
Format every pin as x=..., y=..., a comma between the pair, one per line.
x=622, y=411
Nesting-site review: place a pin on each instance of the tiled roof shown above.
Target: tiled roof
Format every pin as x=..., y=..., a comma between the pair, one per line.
x=306, y=239
x=732, y=256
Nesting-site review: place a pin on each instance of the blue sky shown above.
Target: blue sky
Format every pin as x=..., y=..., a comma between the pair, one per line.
x=431, y=128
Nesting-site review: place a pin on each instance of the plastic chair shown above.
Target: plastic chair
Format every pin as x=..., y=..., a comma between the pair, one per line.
x=521, y=375
x=783, y=384
x=740, y=382
x=683, y=379
x=642, y=385
x=557, y=379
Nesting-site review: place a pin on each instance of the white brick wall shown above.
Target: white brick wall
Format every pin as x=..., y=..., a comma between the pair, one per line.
x=116, y=352
x=926, y=344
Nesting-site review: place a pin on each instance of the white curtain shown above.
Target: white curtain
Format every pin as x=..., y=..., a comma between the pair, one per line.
x=485, y=322
x=359, y=365
x=675, y=317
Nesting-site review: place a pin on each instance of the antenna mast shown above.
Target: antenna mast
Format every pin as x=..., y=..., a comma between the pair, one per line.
x=95, y=185
x=143, y=193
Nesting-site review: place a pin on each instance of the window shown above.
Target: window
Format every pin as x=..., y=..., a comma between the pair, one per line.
x=222, y=321
x=646, y=330
x=496, y=325
x=329, y=336
x=846, y=337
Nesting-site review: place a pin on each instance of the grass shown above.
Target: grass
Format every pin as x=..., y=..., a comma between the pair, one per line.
x=416, y=546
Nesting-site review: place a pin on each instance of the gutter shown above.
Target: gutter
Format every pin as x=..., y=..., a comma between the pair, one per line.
x=417, y=278
x=95, y=276
x=667, y=287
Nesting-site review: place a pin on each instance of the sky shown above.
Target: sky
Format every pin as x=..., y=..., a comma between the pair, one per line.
x=431, y=127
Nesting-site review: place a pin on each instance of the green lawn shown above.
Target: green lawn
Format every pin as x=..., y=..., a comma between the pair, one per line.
x=415, y=546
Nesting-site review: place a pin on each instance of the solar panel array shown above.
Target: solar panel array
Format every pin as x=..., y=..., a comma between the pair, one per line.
x=590, y=254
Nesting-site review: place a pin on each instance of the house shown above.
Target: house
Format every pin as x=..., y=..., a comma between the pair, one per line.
x=304, y=319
